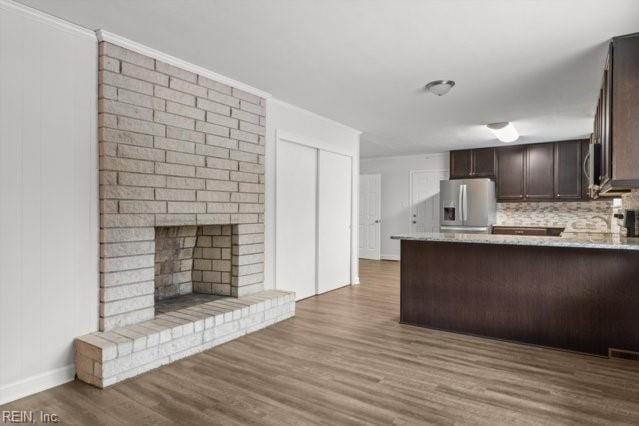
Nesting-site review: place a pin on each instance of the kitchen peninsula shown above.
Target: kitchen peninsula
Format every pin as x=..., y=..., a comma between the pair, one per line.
x=575, y=294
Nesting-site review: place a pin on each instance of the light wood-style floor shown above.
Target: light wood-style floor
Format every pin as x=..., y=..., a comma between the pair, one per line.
x=345, y=359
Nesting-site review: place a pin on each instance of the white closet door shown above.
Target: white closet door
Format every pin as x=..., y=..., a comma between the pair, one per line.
x=295, y=211
x=334, y=233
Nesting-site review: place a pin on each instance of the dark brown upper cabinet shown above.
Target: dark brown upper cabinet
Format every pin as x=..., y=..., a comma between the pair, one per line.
x=616, y=125
x=568, y=170
x=540, y=168
x=461, y=163
x=510, y=172
x=472, y=163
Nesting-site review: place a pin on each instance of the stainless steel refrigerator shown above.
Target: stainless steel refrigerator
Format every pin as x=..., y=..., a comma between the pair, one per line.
x=467, y=205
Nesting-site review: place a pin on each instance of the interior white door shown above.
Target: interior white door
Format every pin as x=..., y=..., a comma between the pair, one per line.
x=334, y=225
x=370, y=191
x=295, y=211
x=425, y=200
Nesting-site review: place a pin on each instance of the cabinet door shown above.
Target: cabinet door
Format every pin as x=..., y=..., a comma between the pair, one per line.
x=510, y=173
x=623, y=103
x=460, y=164
x=540, y=170
x=483, y=162
x=568, y=170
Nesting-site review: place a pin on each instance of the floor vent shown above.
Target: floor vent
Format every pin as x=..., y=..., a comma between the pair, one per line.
x=620, y=353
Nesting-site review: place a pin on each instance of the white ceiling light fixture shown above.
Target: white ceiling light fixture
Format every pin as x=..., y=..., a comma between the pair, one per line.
x=440, y=87
x=504, y=131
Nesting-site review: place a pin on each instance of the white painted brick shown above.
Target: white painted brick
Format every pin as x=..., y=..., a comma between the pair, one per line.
x=184, y=110
x=127, y=249
x=256, y=228
x=127, y=55
x=245, y=96
x=173, y=120
x=184, y=158
x=107, y=92
x=107, y=120
x=221, y=163
x=108, y=294
x=129, y=138
x=251, y=187
x=140, y=153
x=245, y=116
x=212, y=84
x=213, y=196
x=175, y=194
x=248, y=259
x=175, y=219
x=125, y=164
x=252, y=108
x=216, y=174
x=185, y=86
x=140, y=99
x=248, y=269
x=125, y=192
x=214, y=107
x=175, y=169
x=139, y=179
x=144, y=74
x=244, y=218
x=127, y=235
x=142, y=206
x=251, y=147
x=252, y=128
x=174, y=95
x=185, y=183
x=124, y=82
x=244, y=177
x=212, y=129
x=246, y=248
x=251, y=168
x=222, y=120
x=186, y=207
x=242, y=197
x=242, y=135
x=109, y=64
x=220, y=141
x=251, y=208
x=126, y=305
x=127, y=123
x=221, y=208
x=219, y=185
x=212, y=219
x=174, y=145
x=175, y=72
x=223, y=98
x=126, y=220
x=212, y=151
x=184, y=134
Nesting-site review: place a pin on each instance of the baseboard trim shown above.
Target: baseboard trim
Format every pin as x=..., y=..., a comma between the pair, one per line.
x=37, y=383
x=389, y=257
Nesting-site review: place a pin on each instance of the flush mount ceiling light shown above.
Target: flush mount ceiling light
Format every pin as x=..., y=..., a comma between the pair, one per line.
x=505, y=131
x=440, y=87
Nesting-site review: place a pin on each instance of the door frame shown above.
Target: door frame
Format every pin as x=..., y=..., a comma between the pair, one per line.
x=410, y=190
x=318, y=146
x=379, y=202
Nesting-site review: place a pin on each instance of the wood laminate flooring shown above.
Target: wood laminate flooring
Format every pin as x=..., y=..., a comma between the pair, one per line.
x=345, y=359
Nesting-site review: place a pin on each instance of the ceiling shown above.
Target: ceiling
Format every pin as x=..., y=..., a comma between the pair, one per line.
x=364, y=63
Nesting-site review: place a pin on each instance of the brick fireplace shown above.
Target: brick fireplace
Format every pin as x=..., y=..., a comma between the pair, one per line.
x=181, y=217
x=180, y=154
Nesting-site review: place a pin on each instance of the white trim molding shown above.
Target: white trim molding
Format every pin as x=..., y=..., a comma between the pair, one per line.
x=45, y=18
x=172, y=60
x=36, y=383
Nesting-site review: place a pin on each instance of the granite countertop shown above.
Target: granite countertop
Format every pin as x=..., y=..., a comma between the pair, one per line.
x=602, y=241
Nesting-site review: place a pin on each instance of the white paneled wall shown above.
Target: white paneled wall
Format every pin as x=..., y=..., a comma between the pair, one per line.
x=48, y=198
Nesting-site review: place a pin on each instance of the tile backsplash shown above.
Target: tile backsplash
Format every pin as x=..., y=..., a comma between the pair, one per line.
x=593, y=216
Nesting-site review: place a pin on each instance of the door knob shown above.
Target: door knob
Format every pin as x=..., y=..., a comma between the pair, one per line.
x=378, y=221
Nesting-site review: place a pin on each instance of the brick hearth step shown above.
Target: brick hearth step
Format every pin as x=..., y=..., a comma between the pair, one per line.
x=105, y=358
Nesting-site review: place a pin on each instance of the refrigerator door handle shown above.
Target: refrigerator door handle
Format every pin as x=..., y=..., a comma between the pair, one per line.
x=460, y=205
x=465, y=205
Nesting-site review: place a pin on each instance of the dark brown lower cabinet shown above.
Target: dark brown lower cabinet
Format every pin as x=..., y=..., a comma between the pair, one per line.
x=581, y=299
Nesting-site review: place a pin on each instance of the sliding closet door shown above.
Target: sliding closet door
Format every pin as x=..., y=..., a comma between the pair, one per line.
x=334, y=224
x=295, y=211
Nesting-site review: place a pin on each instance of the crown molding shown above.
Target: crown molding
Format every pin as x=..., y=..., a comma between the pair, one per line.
x=45, y=18
x=280, y=102
x=172, y=60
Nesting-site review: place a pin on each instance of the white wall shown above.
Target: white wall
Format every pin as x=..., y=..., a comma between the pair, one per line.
x=48, y=198
x=395, y=173
x=320, y=132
